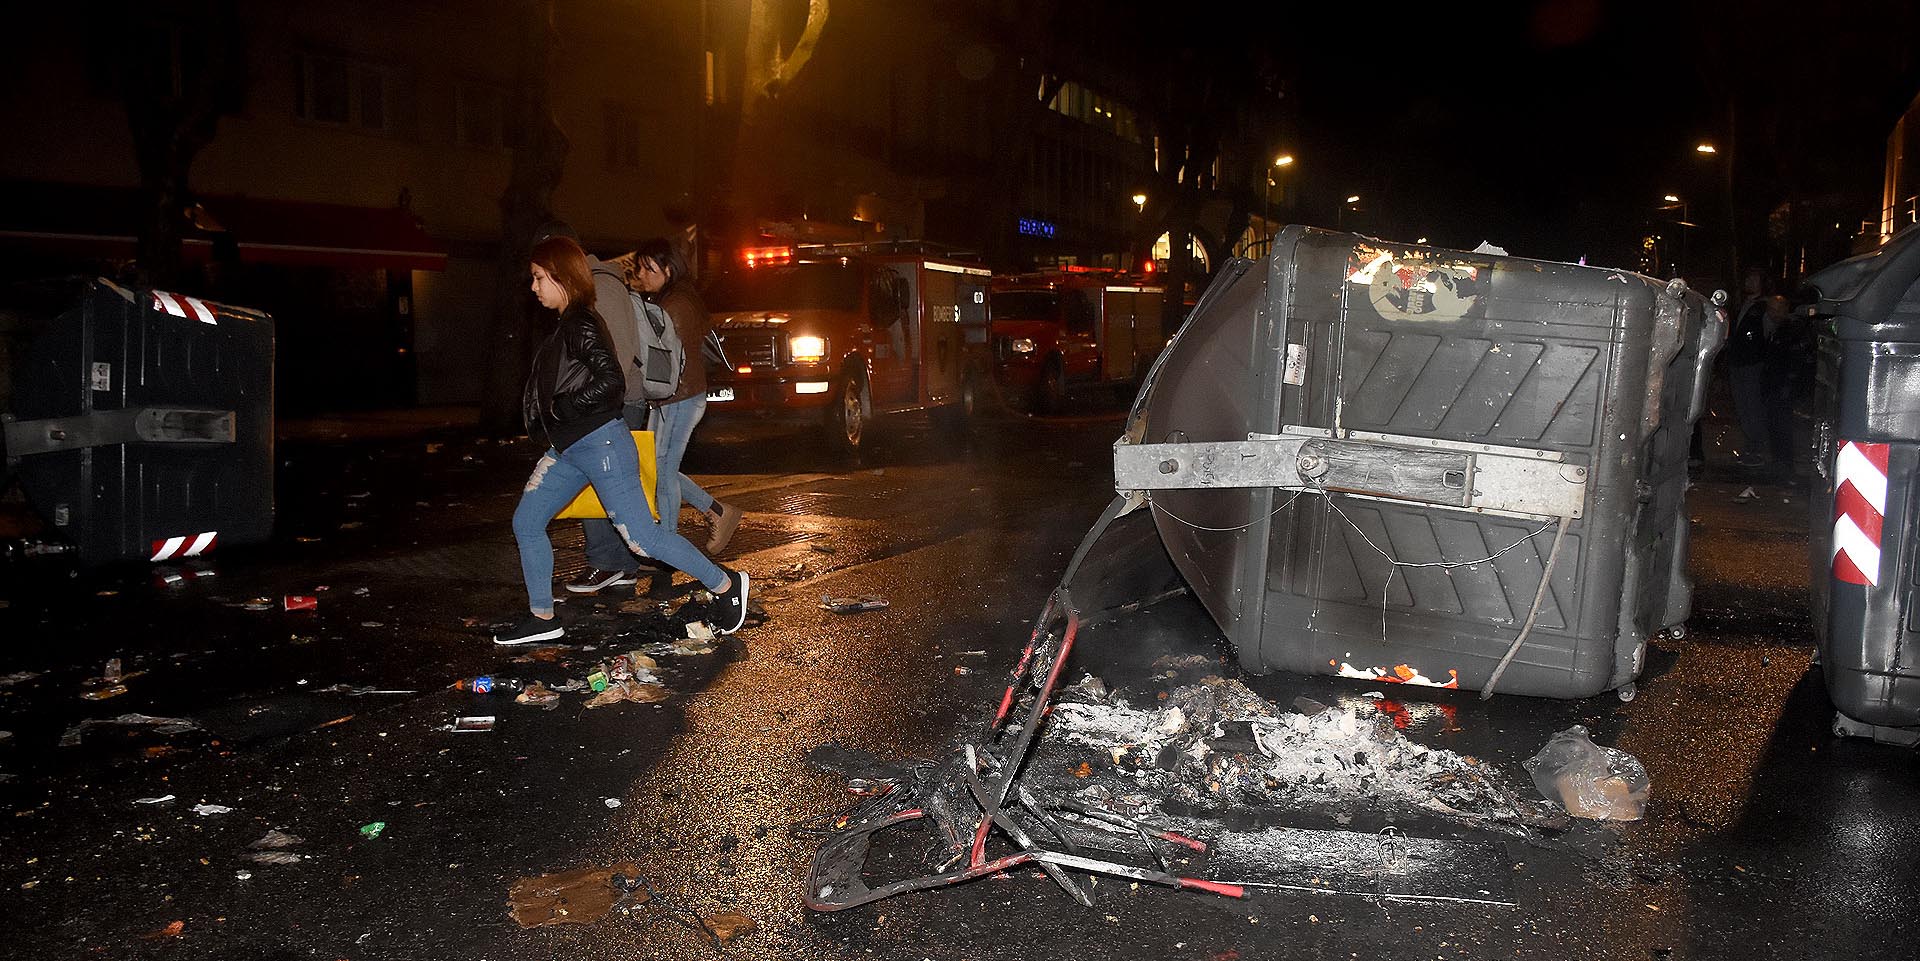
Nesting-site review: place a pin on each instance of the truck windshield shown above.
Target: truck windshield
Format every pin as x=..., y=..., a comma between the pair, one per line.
x=1025, y=305
x=787, y=287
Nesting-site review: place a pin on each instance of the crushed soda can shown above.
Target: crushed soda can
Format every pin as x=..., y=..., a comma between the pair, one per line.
x=300, y=602
x=853, y=605
x=462, y=725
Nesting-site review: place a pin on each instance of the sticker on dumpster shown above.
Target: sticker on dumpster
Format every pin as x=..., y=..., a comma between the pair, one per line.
x=1859, y=505
x=1295, y=373
x=184, y=546
x=102, y=377
x=1411, y=285
x=180, y=305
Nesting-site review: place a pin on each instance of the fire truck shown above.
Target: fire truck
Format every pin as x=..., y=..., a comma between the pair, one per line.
x=841, y=334
x=1060, y=331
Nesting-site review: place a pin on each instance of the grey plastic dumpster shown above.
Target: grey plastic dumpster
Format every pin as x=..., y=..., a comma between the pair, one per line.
x=142, y=425
x=1363, y=455
x=1866, y=584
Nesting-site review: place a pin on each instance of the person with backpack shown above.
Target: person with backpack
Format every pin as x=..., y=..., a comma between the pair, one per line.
x=572, y=401
x=662, y=278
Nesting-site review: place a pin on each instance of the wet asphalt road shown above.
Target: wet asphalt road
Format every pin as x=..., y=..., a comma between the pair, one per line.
x=1766, y=838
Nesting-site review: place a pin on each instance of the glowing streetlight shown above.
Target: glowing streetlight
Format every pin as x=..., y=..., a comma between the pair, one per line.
x=1140, y=201
x=1705, y=148
x=1354, y=199
x=1284, y=160
x=1669, y=198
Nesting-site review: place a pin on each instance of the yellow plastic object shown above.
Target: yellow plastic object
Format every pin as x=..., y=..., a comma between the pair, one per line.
x=588, y=503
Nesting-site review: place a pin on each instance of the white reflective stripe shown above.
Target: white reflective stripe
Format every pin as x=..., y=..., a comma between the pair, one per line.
x=957, y=269
x=168, y=548
x=200, y=310
x=1852, y=465
x=168, y=303
x=1848, y=538
x=200, y=543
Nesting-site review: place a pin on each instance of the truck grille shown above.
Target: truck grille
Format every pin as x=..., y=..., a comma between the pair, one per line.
x=757, y=348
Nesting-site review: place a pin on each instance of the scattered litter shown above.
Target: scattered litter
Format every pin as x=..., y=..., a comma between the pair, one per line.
x=1592, y=782
x=612, y=802
x=300, y=602
x=276, y=857
x=372, y=624
x=275, y=840
x=161, y=725
x=853, y=605
x=358, y=691
x=205, y=810
x=598, y=681
x=465, y=725
x=728, y=925
x=362, y=591
x=699, y=631
x=162, y=799
x=373, y=830
x=173, y=930
x=17, y=677
x=580, y=896
x=537, y=694
x=820, y=548
x=242, y=875
x=962, y=670
x=1745, y=495
x=629, y=690
x=108, y=684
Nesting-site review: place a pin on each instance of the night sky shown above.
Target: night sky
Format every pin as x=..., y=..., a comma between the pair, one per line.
x=1553, y=128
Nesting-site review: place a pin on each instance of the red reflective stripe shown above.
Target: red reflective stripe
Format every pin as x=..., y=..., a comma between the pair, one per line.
x=1845, y=570
x=203, y=542
x=1877, y=453
x=1849, y=502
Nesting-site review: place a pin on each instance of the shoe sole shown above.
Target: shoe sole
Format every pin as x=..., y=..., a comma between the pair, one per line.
x=603, y=585
x=555, y=634
x=723, y=532
x=745, y=583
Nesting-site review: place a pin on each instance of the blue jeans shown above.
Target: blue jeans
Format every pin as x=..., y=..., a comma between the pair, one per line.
x=607, y=460
x=672, y=426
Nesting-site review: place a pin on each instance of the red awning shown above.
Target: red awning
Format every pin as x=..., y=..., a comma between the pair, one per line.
x=88, y=221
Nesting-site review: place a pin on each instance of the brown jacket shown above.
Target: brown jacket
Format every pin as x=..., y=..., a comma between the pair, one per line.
x=690, y=321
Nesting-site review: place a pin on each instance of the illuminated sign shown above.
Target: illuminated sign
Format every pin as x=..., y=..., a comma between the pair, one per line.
x=1035, y=227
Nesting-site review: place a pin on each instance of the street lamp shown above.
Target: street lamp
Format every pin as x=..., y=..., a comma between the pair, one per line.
x=1340, y=219
x=1140, y=202
x=1284, y=160
x=1673, y=202
x=1705, y=148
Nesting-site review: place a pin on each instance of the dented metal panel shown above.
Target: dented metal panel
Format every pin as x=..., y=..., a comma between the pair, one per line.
x=1452, y=407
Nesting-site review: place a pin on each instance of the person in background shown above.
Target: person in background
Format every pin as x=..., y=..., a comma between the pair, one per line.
x=663, y=279
x=1746, y=357
x=572, y=399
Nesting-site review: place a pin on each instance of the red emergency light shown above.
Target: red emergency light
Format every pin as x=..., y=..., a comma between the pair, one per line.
x=763, y=256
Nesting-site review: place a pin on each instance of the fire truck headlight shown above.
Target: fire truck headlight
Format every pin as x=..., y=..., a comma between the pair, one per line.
x=806, y=349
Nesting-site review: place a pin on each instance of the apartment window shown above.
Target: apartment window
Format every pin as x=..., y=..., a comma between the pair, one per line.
x=480, y=112
x=622, y=135
x=335, y=90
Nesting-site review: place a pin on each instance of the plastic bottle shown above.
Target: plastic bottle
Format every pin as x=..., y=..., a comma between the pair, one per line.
x=489, y=685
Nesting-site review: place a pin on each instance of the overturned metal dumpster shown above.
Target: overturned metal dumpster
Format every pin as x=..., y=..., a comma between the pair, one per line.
x=1422, y=466
x=1867, y=437
x=141, y=425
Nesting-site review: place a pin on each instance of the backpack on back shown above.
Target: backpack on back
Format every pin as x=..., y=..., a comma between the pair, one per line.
x=658, y=356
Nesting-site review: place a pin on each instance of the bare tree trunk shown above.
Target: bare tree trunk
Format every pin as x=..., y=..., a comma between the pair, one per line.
x=539, y=160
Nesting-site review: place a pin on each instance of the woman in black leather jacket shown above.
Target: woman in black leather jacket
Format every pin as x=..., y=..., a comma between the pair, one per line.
x=573, y=398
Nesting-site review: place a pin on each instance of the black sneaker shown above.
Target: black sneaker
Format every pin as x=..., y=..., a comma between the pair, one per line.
x=531, y=629
x=730, y=607
x=593, y=580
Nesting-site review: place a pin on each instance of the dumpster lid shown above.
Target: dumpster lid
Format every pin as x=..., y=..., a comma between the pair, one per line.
x=1868, y=286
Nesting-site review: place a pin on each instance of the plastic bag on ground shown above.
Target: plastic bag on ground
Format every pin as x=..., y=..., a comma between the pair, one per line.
x=1590, y=781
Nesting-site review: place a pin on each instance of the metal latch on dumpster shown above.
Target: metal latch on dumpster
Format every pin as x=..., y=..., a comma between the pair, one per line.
x=141, y=425
x=1472, y=477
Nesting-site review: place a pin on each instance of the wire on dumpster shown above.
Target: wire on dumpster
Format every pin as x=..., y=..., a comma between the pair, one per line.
x=1156, y=505
x=1394, y=564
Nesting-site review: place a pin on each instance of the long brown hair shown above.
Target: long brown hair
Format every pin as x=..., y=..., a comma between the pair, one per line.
x=566, y=263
